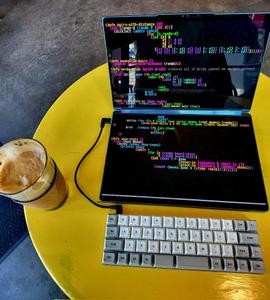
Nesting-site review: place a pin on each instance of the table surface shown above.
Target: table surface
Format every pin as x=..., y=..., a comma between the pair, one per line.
x=69, y=240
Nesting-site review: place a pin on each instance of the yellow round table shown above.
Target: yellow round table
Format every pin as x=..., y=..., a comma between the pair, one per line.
x=69, y=240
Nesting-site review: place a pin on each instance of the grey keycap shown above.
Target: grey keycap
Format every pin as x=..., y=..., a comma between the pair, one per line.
x=109, y=258
x=112, y=232
x=251, y=226
x=163, y=261
x=122, y=259
x=134, y=259
x=192, y=262
x=239, y=225
x=216, y=264
x=242, y=265
x=112, y=219
x=219, y=237
x=229, y=264
x=256, y=266
x=114, y=245
x=147, y=260
x=256, y=252
x=248, y=238
x=241, y=251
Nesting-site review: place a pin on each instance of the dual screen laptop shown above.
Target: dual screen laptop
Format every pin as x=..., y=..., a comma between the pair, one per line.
x=182, y=87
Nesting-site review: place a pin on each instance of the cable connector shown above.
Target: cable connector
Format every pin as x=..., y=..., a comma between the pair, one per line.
x=105, y=121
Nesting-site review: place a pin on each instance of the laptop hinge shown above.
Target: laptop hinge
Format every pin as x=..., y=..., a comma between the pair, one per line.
x=183, y=112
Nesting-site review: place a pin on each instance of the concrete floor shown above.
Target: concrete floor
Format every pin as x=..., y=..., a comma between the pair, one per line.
x=45, y=45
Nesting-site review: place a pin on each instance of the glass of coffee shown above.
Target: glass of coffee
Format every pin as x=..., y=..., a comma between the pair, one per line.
x=29, y=176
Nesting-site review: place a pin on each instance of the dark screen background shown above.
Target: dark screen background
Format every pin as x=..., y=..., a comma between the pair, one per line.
x=186, y=61
x=137, y=167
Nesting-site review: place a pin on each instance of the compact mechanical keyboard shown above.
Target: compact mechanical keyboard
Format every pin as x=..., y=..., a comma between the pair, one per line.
x=183, y=243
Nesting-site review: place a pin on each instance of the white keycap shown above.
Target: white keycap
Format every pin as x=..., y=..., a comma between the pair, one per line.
x=231, y=237
x=195, y=235
x=171, y=234
x=177, y=248
x=159, y=233
x=145, y=221
x=148, y=233
x=165, y=247
x=227, y=250
x=134, y=220
x=153, y=246
x=215, y=224
x=207, y=236
x=203, y=224
x=251, y=226
x=141, y=246
x=219, y=237
x=192, y=223
x=190, y=248
x=214, y=250
x=227, y=225
x=129, y=245
x=136, y=232
x=157, y=221
x=180, y=223
x=202, y=249
x=123, y=220
x=124, y=232
x=183, y=235
x=168, y=222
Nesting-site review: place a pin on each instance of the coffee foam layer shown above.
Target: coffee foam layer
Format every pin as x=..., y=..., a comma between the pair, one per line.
x=21, y=164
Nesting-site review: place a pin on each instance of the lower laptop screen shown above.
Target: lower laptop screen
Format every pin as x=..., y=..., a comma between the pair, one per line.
x=206, y=161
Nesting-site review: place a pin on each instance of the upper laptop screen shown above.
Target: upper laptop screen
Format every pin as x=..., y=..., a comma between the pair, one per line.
x=189, y=61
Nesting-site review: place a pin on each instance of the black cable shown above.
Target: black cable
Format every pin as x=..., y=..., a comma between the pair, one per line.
x=118, y=208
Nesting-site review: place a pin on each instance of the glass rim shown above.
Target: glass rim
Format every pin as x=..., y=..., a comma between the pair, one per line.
x=43, y=170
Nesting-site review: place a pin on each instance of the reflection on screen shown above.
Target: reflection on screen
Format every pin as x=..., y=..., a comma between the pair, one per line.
x=175, y=159
x=187, y=61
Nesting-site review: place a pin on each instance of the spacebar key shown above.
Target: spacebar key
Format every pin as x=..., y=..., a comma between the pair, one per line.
x=192, y=262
